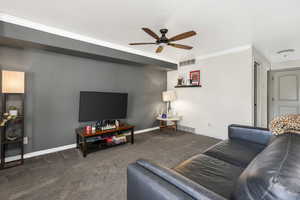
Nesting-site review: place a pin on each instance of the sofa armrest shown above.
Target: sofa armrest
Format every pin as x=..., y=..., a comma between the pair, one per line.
x=160, y=183
x=249, y=133
x=144, y=185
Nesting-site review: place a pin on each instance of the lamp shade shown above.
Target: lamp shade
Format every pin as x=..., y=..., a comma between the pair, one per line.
x=13, y=82
x=169, y=95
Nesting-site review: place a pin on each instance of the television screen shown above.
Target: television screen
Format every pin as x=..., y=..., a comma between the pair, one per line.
x=94, y=106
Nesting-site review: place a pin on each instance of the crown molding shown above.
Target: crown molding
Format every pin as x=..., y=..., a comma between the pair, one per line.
x=41, y=27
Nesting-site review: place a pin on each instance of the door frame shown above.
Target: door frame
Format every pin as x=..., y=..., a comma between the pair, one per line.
x=269, y=81
x=256, y=71
x=269, y=88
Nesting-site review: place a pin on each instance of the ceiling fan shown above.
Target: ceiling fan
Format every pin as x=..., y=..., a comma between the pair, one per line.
x=167, y=41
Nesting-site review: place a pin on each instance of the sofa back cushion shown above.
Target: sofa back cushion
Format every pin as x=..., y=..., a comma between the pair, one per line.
x=274, y=174
x=249, y=133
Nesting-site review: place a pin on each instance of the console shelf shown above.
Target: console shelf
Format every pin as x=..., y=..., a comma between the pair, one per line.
x=187, y=86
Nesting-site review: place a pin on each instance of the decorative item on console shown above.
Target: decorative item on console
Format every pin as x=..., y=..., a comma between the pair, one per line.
x=108, y=124
x=195, y=77
x=118, y=139
x=13, y=110
x=6, y=118
x=88, y=128
x=191, y=78
x=164, y=115
x=11, y=131
x=180, y=80
x=183, y=79
x=117, y=123
x=102, y=125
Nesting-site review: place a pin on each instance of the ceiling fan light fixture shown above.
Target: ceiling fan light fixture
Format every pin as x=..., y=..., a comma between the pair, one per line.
x=286, y=52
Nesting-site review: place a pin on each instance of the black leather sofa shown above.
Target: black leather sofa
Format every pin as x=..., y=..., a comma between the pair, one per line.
x=251, y=165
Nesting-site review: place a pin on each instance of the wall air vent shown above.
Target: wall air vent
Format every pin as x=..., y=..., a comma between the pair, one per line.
x=187, y=62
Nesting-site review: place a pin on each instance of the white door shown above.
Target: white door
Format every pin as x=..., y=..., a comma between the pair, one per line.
x=284, y=93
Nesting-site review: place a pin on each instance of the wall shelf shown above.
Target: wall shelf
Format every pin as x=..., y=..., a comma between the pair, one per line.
x=187, y=86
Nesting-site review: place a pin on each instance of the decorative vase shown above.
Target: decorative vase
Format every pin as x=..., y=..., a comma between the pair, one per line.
x=13, y=112
x=12, y=134
x=180, y=81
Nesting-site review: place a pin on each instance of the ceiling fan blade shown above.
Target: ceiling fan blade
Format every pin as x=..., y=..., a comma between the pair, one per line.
x=159, y=49
x=151, y=33
x=183, y=36
x=141, y=43
x=180, y=46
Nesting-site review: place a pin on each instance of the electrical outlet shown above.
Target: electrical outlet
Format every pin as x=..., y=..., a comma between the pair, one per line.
x=25, y=140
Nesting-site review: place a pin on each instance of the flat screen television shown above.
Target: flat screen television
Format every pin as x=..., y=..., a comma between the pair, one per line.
x=96, y=106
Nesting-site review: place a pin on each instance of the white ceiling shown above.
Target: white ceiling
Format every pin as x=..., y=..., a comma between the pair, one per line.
x=270, y=25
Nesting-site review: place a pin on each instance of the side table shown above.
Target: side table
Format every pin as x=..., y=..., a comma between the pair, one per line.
x=163, y=122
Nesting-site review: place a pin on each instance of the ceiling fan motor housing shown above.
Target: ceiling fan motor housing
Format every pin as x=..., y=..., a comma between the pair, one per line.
x=163, y=38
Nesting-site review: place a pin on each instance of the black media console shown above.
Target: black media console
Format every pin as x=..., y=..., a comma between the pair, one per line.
x=88, y=140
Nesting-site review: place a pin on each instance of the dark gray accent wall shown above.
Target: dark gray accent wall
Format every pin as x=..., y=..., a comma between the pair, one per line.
x=53, y=83
x=19, y=36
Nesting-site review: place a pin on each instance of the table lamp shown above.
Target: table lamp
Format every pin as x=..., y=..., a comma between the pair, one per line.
x=169, y=96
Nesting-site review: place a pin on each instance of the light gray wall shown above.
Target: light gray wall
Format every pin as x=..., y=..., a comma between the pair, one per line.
x=55, y=80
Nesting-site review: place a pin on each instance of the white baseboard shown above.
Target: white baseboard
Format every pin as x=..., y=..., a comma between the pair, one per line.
x=146, y=130
x=47, y=151
x=62, y=148
x=42, y=152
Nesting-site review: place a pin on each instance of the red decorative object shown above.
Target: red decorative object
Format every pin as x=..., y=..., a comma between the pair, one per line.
x=88, y=128
x=195, y=77
x=109, y=140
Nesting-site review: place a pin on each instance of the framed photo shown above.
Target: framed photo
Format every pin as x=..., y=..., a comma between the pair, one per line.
x=195, y=77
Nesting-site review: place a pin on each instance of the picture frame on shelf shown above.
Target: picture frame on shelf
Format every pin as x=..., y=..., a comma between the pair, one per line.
x=195, y=77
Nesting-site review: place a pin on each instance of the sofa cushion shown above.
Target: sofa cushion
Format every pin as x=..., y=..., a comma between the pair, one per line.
x=186, y=185
x=274, y=174
x=234, y=151
x=213, y=174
